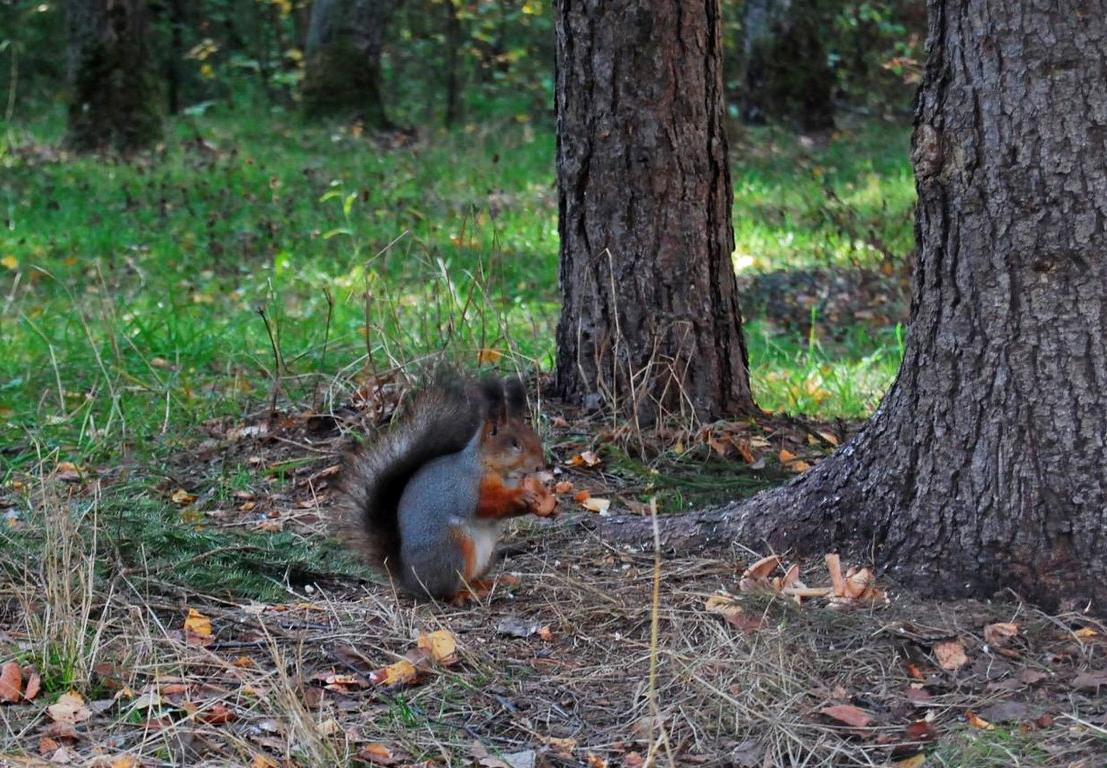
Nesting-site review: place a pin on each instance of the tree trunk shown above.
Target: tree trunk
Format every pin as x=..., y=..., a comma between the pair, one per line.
x=174, y=62
x=114, y=88
x=343, y=59
x=984, y=467
x=650, y=316
x=452, y=64
x=787, y=76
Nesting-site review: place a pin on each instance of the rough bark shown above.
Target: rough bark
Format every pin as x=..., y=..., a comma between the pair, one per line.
x=343, y=59
x=787, y=76
x=984, y=467
x=650, y=315
x=452, y=65
x=114, y=98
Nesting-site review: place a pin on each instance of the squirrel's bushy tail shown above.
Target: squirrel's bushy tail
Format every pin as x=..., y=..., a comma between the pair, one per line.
x=441, y=420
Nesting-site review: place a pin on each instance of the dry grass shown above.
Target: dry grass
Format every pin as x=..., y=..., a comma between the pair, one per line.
x=722, y=696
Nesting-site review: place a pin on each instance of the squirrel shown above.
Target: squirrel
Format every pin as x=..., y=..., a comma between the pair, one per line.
x=428, y=496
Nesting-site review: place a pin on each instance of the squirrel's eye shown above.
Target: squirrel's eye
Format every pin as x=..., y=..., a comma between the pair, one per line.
x=514, y=443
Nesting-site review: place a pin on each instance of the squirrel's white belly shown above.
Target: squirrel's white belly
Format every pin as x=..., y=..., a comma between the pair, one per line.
x=485, y=534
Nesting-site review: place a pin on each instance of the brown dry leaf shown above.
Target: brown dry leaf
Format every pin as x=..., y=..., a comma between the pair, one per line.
x=544, y=633
x=398, y=673
x=829, y=437
x=124, y=761
x=848, y=714
x=563, y=487
x=245, y=662
x=718, y=446
x=263, y=761
x=834, y=566
x=633, y=760
x=563, y=747
x=69, y=708
x=197, y=623
x=34, y=684
x=182, y=497
x=584, y=459
x=217, y=715
x=442, y=646
x=595, y=761
x=921, y=730
x=376, y=753
x=11, y=682
x=798, y=466
x=723, y=606
x=47, y=746
x=762, y=568
x=580, y=496
x=271, y=526
x=857, y=584
x=595, y=504
x=1085, y=633
x=785, y=456
x=999, y=634
x=744, y=451
x=950, y=655
x=914, y=671
x=916, y=761
x=976, y=721
x=67, y=471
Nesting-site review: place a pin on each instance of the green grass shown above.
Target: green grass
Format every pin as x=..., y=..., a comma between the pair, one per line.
x=138, y=301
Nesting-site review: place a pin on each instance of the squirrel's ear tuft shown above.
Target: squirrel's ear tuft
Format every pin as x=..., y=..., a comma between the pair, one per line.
x=492, y=389
x=516, y=395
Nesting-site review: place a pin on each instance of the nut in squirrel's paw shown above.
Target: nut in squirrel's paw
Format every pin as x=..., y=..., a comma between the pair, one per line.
x=545, y=502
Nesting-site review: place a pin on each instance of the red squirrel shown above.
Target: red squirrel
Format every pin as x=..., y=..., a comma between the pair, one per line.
x=429, y=494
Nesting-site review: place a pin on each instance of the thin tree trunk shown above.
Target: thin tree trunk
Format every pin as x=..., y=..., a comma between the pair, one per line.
x=650, y=316
x=114, y=99
x=984, y=467
x=343, y=58
x=453, y=79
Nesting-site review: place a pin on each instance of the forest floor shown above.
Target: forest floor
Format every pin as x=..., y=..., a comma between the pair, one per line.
x=188, y=339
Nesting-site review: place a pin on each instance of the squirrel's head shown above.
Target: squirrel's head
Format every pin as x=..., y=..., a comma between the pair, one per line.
x=508, y=441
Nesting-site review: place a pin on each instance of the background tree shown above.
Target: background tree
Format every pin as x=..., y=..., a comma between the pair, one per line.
x=983, y=467
x=650, y=313
x=787, y=75
x=115, y=95
x=343, y=58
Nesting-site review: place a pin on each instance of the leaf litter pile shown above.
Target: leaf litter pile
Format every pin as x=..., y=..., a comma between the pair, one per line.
x=758, y=660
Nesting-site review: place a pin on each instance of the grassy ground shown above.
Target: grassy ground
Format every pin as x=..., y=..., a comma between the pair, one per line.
x=153, y=313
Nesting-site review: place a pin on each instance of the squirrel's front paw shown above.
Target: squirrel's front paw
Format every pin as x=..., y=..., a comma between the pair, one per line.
x=538, y=497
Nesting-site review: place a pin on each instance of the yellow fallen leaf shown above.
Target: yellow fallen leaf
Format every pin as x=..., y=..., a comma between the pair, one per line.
x=976, y=721
x=182, y=497
x=263, y=761
x=9, y=261
x=596, y=504
x=124, y=761
x=915, y=761
x=441, y=645
x=584, y=458
x=403, y=671
x=69, y=708
x=197, y=623
x=1085, y=632
x=489, y=356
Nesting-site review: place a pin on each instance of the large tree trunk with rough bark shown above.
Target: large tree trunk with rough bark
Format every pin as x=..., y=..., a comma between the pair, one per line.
x=650, y=319
x=343, y=59
x=985, y=467
x=114, y=93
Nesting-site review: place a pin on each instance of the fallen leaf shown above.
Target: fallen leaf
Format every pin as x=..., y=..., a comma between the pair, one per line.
x=263, y=761
x=182, y=497
x=563, y=747
x=1085, y=633
x=581, y=495
x=47, y=746
x=69, y=708
x=950, y=655
x=914, y=671
x=762, y=568
x=1008, y=712
x=513, y=626
x=563, y=487
x=11, y=682
x=595, y=761
x=218, y=714
x=921, y=730
x=915, y=761
x=399, y=673
x=34, y=684
x=376, y=753
x=785, y=456
x=442, y=646
x=584, y=459
x=544, y=633
x=848, y=714
x=999, y=634
x=594, y=504
x=977, y=722
x=68, y=472
x=197, y=623
x=633, y=760
x=124, y=761
x=1090, y=681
